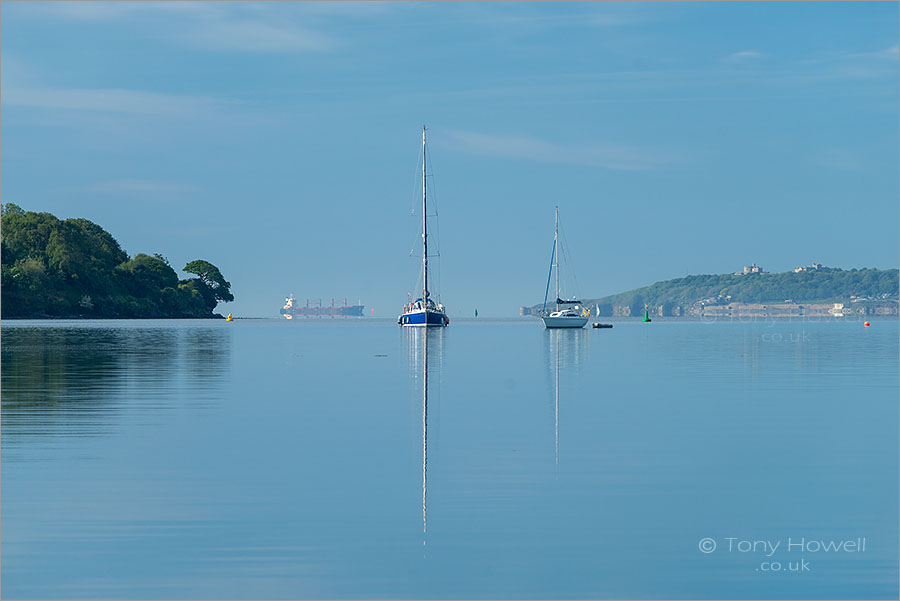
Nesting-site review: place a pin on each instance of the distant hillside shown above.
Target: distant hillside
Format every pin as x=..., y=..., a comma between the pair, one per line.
x=822, y=285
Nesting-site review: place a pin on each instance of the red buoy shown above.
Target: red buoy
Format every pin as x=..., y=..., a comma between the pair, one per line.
x=867, y=324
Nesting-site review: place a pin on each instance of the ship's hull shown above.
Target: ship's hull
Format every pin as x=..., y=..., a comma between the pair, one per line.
x=423, y=319
x=342, y=311
x=564, y=322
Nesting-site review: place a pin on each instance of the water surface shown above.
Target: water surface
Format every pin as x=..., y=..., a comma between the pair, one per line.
x=493, y=459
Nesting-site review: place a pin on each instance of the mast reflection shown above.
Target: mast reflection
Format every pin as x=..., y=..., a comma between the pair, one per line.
x=565, y=351
x=425, y=349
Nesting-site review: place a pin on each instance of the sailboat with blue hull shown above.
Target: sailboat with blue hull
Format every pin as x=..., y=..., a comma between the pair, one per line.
x=424, y=311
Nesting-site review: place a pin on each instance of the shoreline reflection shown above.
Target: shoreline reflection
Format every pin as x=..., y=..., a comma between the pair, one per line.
x=79, y=382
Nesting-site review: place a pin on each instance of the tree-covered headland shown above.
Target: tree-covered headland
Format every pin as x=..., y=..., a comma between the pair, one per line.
x=75, y=268
x=688, y=295
x=824, y=285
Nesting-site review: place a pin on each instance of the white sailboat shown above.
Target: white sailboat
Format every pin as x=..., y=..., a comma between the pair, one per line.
x=568, y=313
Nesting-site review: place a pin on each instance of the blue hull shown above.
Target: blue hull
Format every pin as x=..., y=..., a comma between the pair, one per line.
x=424, y=318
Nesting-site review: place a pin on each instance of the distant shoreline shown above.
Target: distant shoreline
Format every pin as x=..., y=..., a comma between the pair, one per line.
x=815, y=290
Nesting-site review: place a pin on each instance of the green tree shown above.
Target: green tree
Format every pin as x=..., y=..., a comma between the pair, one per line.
x=822, y=285
x=11, y=209
x=53, y=267
x=637, y=305
x=209, y=283
x=147, y=275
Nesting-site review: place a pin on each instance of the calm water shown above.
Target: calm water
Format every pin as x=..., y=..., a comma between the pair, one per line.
x=269, y=459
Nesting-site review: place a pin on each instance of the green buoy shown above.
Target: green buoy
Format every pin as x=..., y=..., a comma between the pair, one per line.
x=476, y=312
x=646, y=316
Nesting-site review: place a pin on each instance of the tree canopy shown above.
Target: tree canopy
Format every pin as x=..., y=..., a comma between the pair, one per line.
x=73, y=267
x=821, y=285
x=209, y=282
x=825, y=285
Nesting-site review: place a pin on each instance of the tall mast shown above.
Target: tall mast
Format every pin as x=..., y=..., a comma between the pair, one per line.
x=556, y=254
x=424, y=229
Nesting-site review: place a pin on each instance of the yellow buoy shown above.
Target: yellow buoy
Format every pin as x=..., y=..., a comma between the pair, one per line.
x=229, y=318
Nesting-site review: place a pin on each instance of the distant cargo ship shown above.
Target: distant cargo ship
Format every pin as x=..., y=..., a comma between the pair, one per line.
x=291, y=310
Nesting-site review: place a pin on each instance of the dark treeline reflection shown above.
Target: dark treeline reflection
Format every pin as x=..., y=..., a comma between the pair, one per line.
x=207, y=353
x=75, y=381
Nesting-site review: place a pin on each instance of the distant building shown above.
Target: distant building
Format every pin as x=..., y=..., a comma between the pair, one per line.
x=748, y=269
x=811, y=267
x=668, y=309
x=752, y=269
x=767, y=311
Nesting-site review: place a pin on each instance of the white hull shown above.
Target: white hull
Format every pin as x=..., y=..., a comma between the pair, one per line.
x=564, y=322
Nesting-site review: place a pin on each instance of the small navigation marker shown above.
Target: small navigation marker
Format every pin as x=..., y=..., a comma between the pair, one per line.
x=229, y=318
x=646, y=316
x=867, y=324
x=476, y=312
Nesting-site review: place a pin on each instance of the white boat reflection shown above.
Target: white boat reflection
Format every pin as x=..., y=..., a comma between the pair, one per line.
x=566, y=351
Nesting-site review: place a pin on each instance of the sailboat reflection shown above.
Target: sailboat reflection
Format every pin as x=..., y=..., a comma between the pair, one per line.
x=425, y=348
x=566, y=350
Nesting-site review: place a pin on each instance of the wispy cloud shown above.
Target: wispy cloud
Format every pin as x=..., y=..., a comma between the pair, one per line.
x=541, y=16
x=743, y=56
x=890, y=54
x=131, y=190
x=222, y=26
x=27, y=86
x=596, y=153
x=584, y=19
x=114, y=100
x=872, y=64
x=139, y=186
x=111, y=11
x=841, y=159
x=257, y=36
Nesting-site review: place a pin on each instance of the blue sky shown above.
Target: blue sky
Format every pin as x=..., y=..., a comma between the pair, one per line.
x=280, y=140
